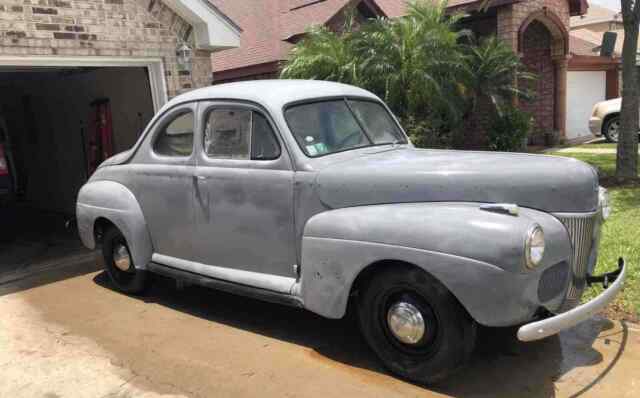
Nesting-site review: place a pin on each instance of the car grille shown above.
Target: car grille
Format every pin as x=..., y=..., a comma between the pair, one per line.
x=581, y=228
x=553, y=281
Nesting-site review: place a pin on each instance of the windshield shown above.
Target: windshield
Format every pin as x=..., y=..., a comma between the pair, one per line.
x=321, y=128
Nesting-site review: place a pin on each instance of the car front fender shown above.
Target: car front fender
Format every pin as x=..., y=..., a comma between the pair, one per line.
x=478, y=255
x=117, y=204
x=607, y=108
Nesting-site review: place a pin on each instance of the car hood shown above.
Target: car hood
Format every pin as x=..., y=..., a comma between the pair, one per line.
x=548, y=183
x=616, y=102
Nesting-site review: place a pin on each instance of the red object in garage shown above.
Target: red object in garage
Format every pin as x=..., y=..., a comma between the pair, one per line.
x=100, y=139
x=4, y=165
x=5, y=175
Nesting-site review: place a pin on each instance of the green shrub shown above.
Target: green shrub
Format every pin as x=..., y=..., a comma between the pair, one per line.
x=508, y=130
x=427, y=132
x=431, y=73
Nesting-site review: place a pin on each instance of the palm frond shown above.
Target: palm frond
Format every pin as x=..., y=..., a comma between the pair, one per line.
x=421, y=64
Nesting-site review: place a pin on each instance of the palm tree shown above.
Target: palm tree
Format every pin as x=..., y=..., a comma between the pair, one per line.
x=418, y=64
x=325, y=55
x=490, y=77
x=492, y=72
x=407, y=61
x=410, y=61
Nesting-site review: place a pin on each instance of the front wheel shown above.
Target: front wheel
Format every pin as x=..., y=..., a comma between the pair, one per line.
x=415, y=325
x=119, y=264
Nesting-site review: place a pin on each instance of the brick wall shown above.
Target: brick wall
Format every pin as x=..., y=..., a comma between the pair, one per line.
x=126, y=28
x=550, y=64
x=481, y=27
x=511, y=17
x=338, y=21
x=258, y=76
x=536, y=56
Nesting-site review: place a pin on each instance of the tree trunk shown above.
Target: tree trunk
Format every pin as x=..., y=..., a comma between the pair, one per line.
x=627, y=156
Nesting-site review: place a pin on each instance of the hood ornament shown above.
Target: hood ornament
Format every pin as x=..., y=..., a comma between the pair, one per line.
x=505, y=208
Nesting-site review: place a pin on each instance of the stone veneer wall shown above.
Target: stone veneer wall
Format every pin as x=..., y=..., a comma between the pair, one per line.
x=509, y=20
x=121, y=28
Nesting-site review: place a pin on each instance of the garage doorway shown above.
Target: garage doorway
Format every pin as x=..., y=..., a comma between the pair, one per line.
x=50, y=114
x=584, y=90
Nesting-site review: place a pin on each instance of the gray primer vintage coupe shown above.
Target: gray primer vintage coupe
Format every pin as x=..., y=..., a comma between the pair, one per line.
x=309, y=193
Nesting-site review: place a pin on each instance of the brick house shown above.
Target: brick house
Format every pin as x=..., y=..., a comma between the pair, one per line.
x=58, y=57
x=538, y=30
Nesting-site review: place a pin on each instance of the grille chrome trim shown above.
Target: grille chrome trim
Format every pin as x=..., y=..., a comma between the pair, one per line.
x=583, y=229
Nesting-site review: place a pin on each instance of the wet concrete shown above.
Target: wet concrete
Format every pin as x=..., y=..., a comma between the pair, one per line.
x=198, y=342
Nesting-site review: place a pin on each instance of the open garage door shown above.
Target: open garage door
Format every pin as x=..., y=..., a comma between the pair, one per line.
x=50, y=116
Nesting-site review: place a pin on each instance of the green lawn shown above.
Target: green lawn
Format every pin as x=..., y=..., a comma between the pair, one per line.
x=621, y=234
x=604, y=162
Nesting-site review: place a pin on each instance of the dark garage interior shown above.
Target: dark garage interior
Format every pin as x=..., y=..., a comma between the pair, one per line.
x=56, y=126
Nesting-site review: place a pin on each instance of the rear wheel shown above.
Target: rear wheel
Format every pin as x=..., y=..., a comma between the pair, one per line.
x=415, y=325
x=119, y=263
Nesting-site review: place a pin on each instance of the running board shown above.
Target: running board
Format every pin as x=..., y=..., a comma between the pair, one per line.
x=226, y=286
x=270, y=282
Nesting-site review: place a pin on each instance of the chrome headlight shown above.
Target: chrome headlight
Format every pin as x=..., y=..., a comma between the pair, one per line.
x=604, y=203
x=534, y=246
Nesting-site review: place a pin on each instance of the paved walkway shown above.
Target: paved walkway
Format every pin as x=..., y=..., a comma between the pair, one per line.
x=586, y=150
x=577, y=149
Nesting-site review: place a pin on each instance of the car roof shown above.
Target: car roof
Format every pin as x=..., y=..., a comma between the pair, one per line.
x=272, y=94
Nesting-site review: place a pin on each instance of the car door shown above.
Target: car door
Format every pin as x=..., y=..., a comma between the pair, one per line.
x=244, y=192
x=162, y=177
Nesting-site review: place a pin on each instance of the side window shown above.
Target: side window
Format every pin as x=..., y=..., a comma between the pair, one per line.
x=239, y=134
x=264, y=145
x=176, y=137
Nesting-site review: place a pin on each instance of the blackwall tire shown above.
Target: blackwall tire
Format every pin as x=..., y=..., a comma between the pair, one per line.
x=611, y=129
x=448, y=336
x=132, y=281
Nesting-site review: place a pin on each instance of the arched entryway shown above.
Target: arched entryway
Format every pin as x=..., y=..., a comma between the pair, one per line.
x=542, y=45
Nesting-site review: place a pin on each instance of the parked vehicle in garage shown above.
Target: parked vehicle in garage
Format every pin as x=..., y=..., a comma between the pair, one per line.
x=605, y=119
x=309, y=193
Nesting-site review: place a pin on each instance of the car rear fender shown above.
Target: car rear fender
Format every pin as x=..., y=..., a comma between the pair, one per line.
x=117, y=204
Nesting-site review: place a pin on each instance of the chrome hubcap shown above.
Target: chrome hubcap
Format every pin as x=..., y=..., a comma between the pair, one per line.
x=406, y=322
x=121, y=257
x=613, y=131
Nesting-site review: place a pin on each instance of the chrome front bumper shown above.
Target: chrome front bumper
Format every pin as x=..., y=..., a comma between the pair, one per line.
x=555, y=324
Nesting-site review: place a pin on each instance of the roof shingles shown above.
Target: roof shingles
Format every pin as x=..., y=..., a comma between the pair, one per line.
x=268, y=24
x=260, y=41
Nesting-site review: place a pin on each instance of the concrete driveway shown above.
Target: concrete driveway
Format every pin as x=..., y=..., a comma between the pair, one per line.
x=63, y=335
